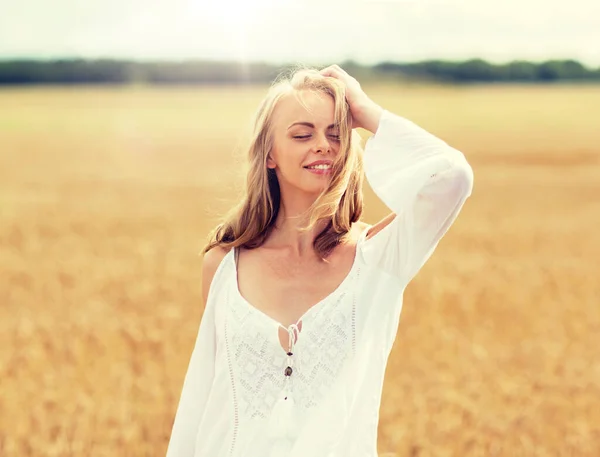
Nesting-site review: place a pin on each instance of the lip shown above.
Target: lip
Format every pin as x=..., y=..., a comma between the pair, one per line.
x=318, y=171
x=319, y=162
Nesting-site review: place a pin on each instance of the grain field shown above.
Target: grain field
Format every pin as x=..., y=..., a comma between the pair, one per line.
x=107, y=195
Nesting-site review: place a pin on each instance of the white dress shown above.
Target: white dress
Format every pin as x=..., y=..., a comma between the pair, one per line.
x=237, y=400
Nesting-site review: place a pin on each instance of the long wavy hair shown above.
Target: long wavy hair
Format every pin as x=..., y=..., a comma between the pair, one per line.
x=250, y=222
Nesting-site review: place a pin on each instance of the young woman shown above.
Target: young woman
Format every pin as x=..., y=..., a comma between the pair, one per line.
x=302, y=299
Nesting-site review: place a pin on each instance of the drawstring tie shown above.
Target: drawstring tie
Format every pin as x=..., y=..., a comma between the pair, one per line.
x=283, y=421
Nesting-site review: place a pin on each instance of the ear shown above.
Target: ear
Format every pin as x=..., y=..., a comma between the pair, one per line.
x=270, y=162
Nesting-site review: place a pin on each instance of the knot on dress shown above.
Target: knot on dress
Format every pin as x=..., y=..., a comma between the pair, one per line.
x=283, y=420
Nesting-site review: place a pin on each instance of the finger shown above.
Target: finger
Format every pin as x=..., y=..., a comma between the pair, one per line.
x=331, y=71
x=329, y=68
x=326, y=71
x=339, y=69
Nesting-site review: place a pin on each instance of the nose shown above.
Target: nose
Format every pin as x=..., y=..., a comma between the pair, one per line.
x=322, y=145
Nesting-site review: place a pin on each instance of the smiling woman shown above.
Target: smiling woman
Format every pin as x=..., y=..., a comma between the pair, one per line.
x=302, y=299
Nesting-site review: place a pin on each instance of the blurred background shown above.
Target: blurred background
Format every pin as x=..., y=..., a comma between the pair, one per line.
x=122, y=134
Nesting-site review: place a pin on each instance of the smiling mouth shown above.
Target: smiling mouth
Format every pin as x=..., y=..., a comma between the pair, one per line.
x=319, y=167
x=320, y=170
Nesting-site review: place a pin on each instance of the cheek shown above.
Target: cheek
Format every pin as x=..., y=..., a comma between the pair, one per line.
x=291, y=154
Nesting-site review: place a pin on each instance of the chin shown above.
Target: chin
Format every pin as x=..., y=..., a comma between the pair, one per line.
x=313, y=186
x=318, y=190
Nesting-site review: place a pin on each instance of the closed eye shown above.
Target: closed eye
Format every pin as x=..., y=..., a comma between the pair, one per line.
x=302, y=137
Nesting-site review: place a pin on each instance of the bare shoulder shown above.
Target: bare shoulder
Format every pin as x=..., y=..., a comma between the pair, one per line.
x=360, y=227
x=213, y=258
x=210, y=262
x=377, y=227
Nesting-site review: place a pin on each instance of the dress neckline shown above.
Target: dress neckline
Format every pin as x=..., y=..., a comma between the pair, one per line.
x=313, y=308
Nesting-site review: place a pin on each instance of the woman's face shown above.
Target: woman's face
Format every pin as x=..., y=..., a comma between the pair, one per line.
x=301, y=137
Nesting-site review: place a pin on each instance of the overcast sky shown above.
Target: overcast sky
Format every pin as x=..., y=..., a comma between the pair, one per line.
x=326, y=31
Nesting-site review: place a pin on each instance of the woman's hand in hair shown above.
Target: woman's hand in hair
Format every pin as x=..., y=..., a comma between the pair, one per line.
x=365, y=112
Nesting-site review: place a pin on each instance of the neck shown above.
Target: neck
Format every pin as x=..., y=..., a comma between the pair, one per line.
x=291, y=216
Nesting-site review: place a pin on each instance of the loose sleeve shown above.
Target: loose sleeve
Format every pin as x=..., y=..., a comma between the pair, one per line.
x=424, y=181
x=196, y=387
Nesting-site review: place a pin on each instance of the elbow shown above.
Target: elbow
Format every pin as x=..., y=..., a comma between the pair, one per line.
x=463, y=172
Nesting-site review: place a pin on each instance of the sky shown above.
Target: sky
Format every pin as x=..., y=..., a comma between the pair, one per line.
x=309, y=31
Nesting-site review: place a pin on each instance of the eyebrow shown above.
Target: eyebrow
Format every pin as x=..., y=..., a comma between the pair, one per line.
x=309, y=124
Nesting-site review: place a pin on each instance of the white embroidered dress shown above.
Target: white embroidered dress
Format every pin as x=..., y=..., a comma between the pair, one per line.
x=237, y=400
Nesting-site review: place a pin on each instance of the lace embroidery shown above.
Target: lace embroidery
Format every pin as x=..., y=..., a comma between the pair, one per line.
x=234, y=392
x=258, y=361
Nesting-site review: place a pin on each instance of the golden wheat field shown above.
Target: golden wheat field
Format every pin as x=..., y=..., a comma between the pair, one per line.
x=106, y=199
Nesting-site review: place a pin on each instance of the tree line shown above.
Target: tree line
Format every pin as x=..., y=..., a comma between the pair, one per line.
x=111, y=71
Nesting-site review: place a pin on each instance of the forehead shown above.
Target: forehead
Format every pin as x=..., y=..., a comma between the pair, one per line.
x=315, y=107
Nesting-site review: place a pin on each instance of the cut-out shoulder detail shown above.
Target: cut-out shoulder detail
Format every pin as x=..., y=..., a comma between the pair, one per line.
x=376, y=228
x=210, y=262
x=362, y=226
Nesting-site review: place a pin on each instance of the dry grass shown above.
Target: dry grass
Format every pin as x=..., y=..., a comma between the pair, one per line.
x=105, y=199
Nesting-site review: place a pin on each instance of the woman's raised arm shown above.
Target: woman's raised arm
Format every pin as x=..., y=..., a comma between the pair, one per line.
x=424, y=181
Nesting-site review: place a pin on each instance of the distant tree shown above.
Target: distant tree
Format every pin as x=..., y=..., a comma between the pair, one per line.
x=573, y=70
x=474, y=70
x=110, y=71
x=521, y=70
x=550, y=70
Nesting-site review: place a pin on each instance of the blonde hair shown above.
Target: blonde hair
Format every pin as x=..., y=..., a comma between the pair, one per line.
x=249, y=223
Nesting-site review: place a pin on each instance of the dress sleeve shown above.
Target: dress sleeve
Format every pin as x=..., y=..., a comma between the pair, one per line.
x=196, y=387
x=424, y=181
